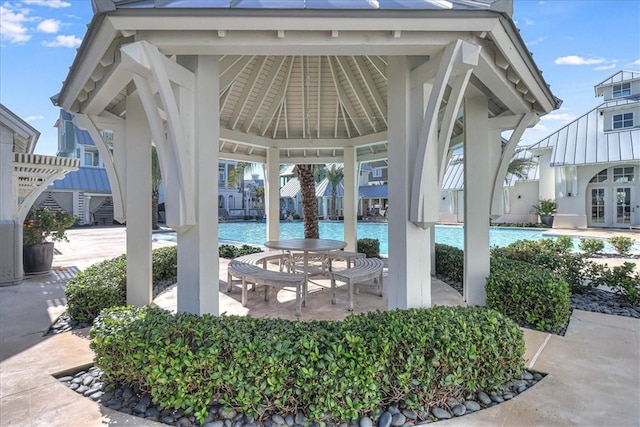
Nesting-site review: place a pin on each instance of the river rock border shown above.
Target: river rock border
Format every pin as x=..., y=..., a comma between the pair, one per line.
x=131, y=400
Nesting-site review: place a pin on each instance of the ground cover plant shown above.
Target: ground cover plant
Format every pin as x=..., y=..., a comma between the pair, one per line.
x=336, y=370
x=622, y=244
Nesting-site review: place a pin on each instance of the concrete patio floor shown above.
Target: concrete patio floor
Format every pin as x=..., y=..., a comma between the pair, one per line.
x=593, y=371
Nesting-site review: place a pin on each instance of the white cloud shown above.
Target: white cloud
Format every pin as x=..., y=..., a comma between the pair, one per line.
x=50, y=26
x=12, y=24
x=578, y=60
x=536, y=41
x=605, y=67
x=54, y=4
x=34, y=118
x=636, y=62
x=64, y=41
x=562, y=117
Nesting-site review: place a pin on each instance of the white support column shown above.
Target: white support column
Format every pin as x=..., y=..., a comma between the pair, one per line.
x=198, y=257
x=547, y=183
x=87, y=210
x=409, y=283
x=350, y=199
x=478, y=182
x=272, y=193
x=138, y=184
x=8, y=199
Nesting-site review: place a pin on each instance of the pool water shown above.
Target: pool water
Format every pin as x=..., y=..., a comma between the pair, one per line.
x=256, y=233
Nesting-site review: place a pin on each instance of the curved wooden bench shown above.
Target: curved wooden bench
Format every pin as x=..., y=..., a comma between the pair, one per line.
x=365, y=269
x=250, y=273
x=260, y=259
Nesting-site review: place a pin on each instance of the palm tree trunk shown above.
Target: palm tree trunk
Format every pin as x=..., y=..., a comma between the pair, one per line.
x=154, y=210
x=309, y=202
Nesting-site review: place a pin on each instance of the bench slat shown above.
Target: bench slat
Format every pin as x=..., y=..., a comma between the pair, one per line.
x=365, y=269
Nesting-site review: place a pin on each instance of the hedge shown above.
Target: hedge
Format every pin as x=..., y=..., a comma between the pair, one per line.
x=370, y=247
x=327, y=369
x=104, y=285
x=450, y=262
x=528, y=294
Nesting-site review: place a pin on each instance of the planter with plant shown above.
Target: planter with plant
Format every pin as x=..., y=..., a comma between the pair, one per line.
x=42, y=228
x=546, y=208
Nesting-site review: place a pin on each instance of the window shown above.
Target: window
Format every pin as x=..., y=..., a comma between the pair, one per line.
x=622, y=121
x=600, y=177
x=597, y=205
x=623, y=89
x=377, y=173
x=90, y=158
x=625, y=174
x=222, y=177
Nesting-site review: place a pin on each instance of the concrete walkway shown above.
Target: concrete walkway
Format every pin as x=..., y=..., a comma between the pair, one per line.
x=594, y=371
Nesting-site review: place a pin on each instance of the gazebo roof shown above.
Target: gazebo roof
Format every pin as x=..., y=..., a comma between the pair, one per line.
x=307, y=76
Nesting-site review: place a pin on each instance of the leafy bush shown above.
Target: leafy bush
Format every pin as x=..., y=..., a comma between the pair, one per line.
x=325, y=368
x=528, y=294
x=591, y=246
x=232, y=251
x=44, y=225
x=104, y=285
x=623, y=281
x=546, y=207
x=622, y=244
x=450, y=262
x=370, y=247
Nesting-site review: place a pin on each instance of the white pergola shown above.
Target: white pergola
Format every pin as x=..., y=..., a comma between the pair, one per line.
x=249, y=80
x=23, y=177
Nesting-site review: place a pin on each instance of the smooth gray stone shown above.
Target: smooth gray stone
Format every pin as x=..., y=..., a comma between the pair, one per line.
x=459, y=410
x=410, y=414
x=537, y=376
x=385, y=419
x=290, y=420
x=116, y=405
x=88, y=379
x=76, y=380
x=66, y=379
x=74, y=386
x=472, y=405
x=91, y=391
x=96, y=396
x=167, y=420
x=526, y=375
x=140, y=408
x=126, y=411
x=217, y=423
x=300, y=418
x=151, y=412
x=278, y=419
x=497, y=399
x=440, y=413
x=82, y=389
x=398, y=419
x=507, y=396
x=366, y=422
x=521, y=388
x=484, y=398
x=127, y=393
x=184, y=422
x=393, y=409
x=227, y=414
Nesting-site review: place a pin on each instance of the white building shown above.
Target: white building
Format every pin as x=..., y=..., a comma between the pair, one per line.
x=592, y=165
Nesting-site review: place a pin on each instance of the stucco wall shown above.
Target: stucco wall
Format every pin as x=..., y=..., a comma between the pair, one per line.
x=522, y=197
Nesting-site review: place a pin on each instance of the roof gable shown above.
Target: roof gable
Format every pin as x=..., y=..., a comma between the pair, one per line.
x=620, y=76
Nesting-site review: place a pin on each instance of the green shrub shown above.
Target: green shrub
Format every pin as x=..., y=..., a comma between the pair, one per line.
x=370, y=247
x=623, y=281
x=528, y=294
x=622, y=244
x=591, y=246
x=450, y=262
x=232, y=251
x=104, y=285
x=325, y=368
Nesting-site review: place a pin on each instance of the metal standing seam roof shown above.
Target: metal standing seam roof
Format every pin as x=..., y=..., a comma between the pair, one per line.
x=291, y=188
x=324, y=188
x=82, y=136
x=373, y=191
x=87, y=179
x=98, y=5
x=584, y=140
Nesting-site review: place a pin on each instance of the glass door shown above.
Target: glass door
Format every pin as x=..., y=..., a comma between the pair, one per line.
x=597, y=209
x=623, y=206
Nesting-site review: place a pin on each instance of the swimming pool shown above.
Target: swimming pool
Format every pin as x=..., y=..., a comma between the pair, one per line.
x=256, y=233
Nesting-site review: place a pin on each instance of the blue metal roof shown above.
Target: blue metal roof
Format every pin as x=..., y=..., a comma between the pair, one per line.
x=373, y=191
x=91, y=180
x=82, y=136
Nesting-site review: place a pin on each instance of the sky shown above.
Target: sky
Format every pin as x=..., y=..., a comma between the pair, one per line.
x=576, y=43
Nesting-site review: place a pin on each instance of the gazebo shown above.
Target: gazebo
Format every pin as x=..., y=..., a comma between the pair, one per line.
x=304, y=81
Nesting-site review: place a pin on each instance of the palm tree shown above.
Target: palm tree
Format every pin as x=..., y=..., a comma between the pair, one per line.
x=309, y=202
x=519, y=167
x=334, y=175
x=156, y=179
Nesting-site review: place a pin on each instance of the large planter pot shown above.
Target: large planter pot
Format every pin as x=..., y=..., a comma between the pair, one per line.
x=547, y=220
x=37, y=258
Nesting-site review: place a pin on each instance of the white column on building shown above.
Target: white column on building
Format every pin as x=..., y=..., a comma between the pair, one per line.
x=547, y=183
x=272, y=193
x=409, y=245
x=8, y=200
x=198, y=258
x=350, y=199
x=138, y=184
x=87, y=209
x=478, y=183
